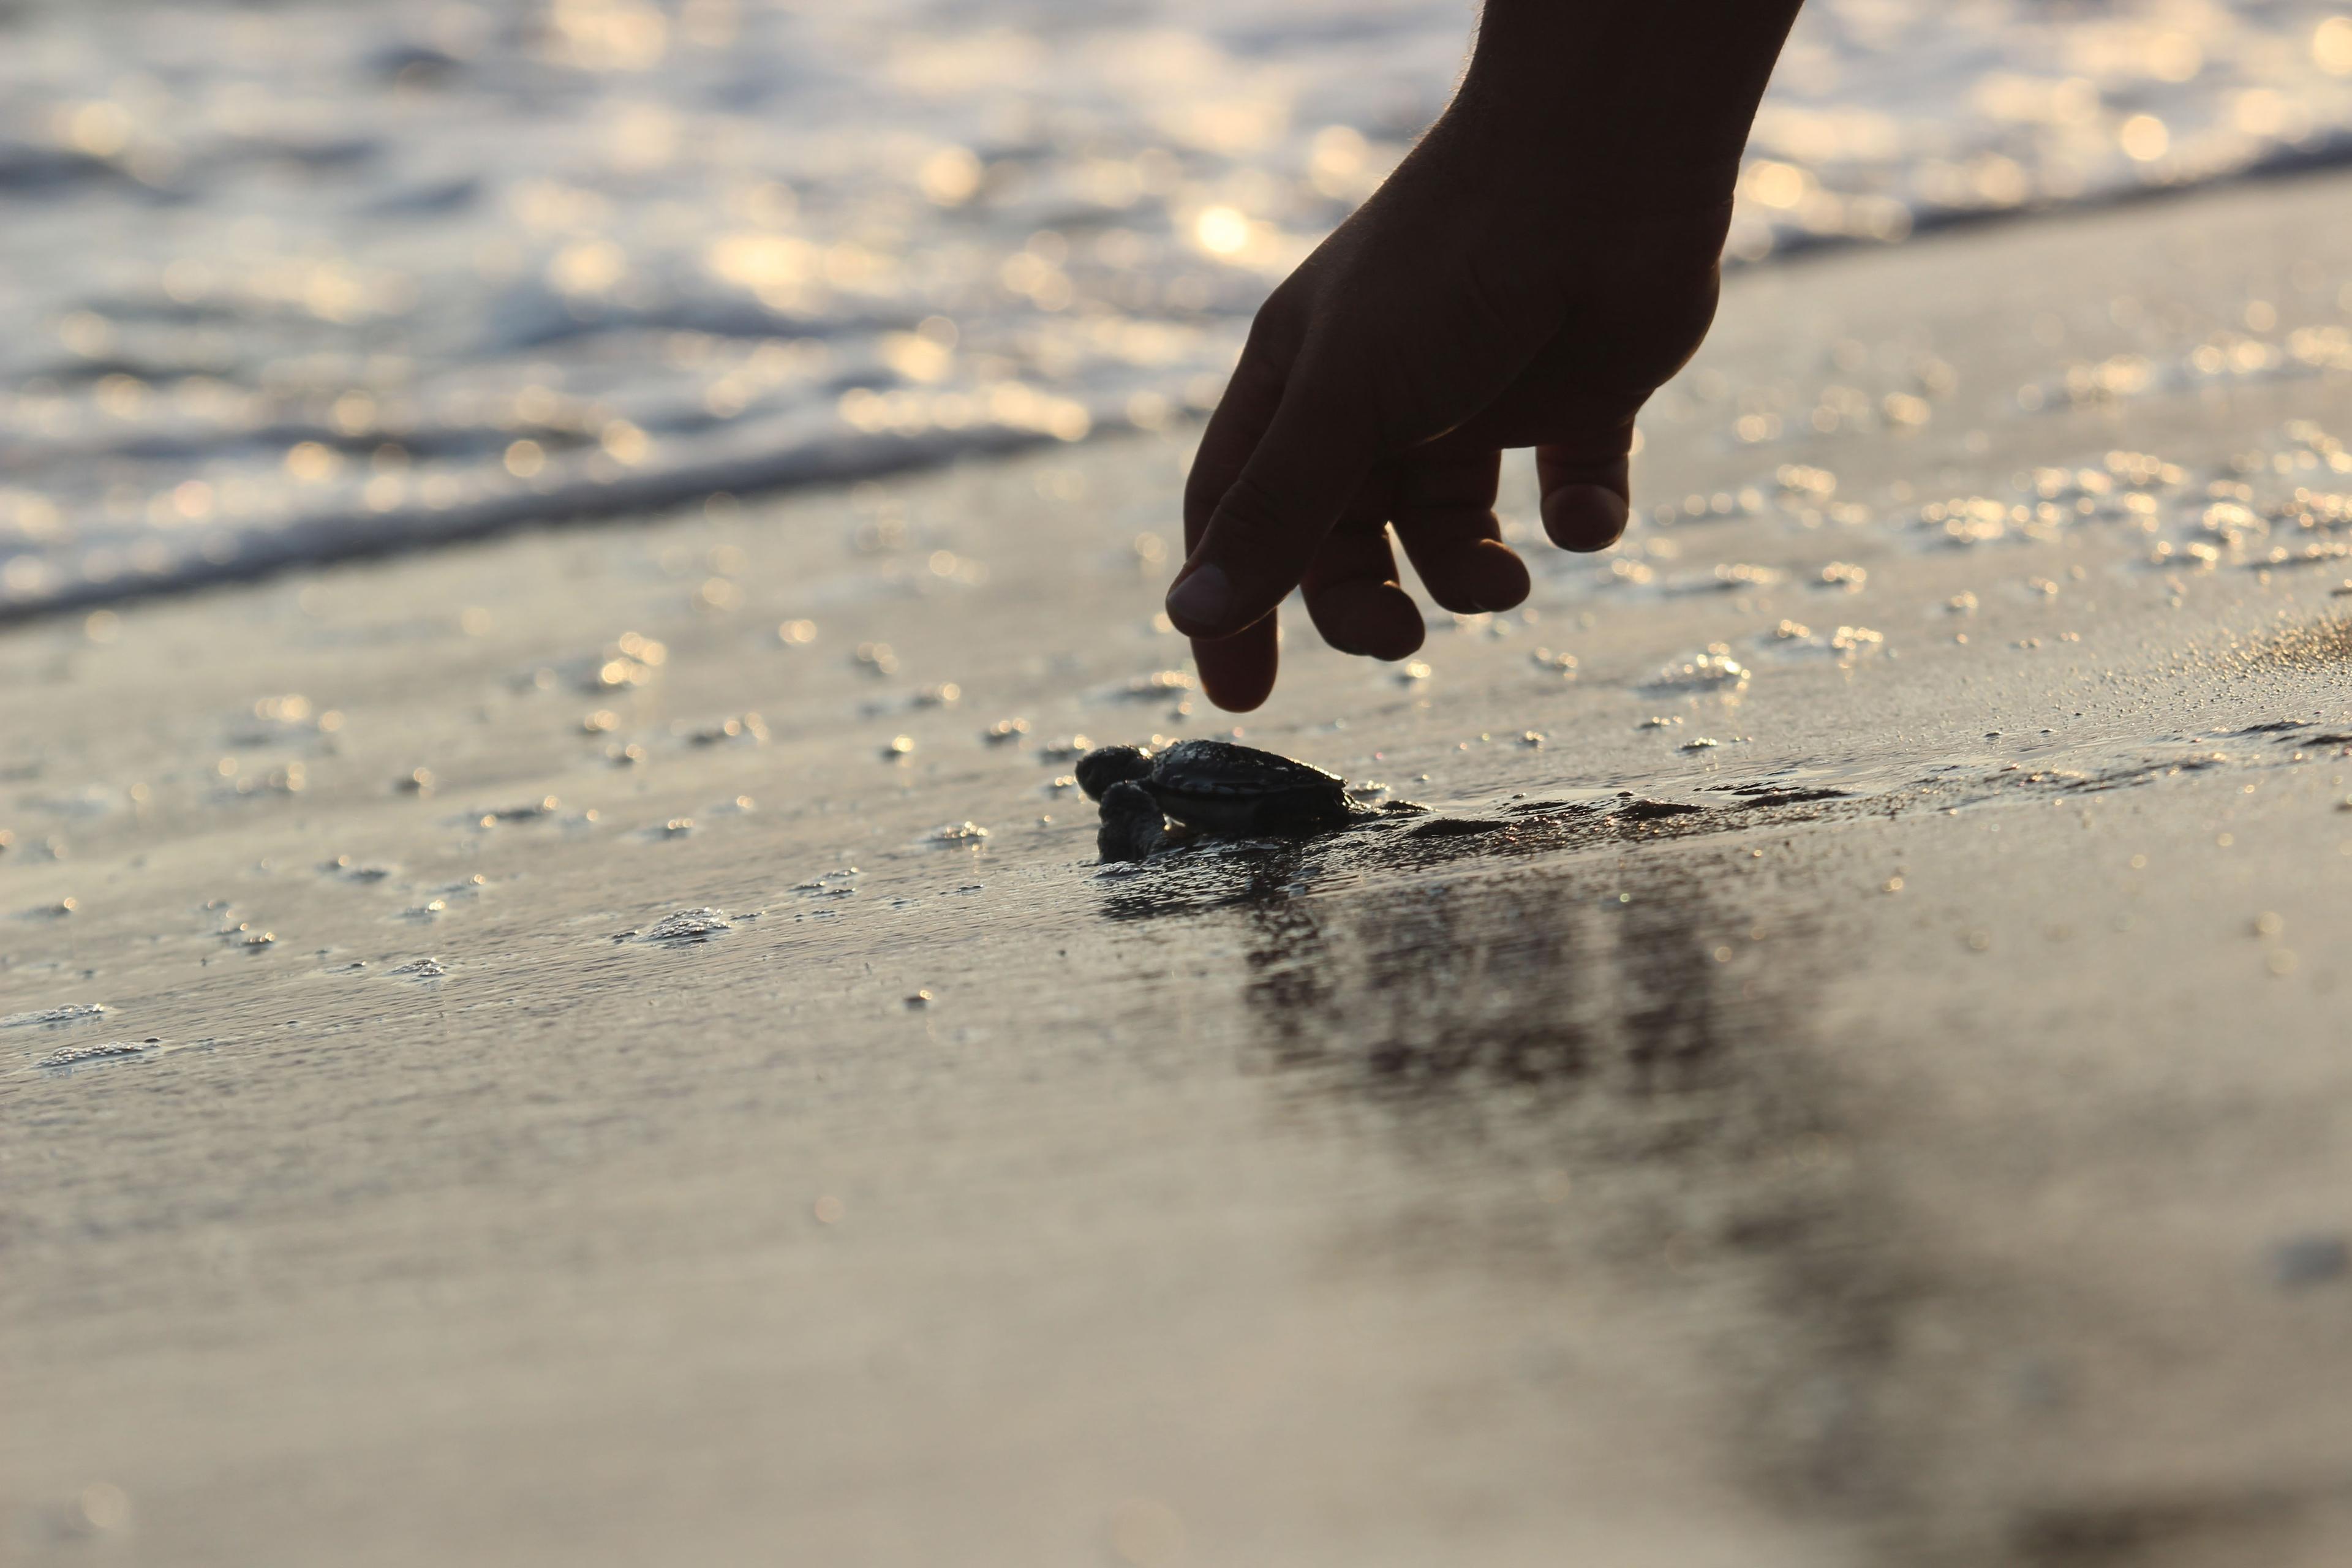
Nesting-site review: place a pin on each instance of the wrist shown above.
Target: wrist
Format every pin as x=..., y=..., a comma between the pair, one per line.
x=1643, y=101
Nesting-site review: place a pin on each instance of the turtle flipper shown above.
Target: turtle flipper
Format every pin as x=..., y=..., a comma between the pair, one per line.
x=1132, y=825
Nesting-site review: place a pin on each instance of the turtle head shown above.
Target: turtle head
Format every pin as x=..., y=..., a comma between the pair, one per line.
x=1107, y=765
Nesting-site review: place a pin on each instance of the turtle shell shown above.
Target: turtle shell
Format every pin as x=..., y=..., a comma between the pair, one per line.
x=1225, y=788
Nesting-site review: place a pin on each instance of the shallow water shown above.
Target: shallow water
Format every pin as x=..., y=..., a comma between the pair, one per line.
x=305, y=281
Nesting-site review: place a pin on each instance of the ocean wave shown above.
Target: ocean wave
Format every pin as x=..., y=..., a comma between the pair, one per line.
x=321, y=281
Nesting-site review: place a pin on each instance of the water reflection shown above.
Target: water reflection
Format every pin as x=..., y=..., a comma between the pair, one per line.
x=1598, y=1070
x=1535, y=982
x=1416, y=963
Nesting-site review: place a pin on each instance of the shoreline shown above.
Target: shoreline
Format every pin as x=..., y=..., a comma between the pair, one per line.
x=847, y=458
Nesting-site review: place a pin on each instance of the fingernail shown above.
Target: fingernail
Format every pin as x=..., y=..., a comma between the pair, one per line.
x=1202, y=600
x=1584, y=517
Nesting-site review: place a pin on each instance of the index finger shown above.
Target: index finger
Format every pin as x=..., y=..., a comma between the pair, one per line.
x=1264, y=530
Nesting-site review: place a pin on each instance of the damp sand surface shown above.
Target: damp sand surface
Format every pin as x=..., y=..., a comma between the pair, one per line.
x=614, y=1046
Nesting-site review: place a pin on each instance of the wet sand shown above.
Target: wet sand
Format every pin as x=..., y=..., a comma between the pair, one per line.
x=1929, y=1147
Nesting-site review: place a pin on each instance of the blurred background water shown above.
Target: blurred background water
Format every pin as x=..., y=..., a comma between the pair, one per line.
x=298, y=280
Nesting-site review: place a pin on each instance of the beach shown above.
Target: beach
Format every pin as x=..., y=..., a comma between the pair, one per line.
x=610, y=1045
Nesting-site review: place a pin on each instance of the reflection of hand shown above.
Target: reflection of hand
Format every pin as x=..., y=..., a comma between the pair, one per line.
x=1489, y=295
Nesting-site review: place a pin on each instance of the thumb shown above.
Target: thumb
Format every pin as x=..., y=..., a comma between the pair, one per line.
x=1266, y=527
x=1586, y=491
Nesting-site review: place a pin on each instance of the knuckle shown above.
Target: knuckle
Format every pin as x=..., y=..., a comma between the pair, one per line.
x=1275, y=330
x=1451, y=486
x=1252, y=507
x=1201, y=493
x=1600, y=446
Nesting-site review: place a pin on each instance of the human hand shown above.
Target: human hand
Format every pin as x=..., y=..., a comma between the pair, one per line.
x=1484, y=298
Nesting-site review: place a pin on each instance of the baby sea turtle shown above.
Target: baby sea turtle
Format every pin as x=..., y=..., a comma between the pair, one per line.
x=1213, y=788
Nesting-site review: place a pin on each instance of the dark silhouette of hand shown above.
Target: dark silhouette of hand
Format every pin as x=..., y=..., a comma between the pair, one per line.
x=1494, y=292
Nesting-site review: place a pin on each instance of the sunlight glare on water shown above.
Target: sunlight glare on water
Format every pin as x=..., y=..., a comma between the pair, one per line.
x=284, y=280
